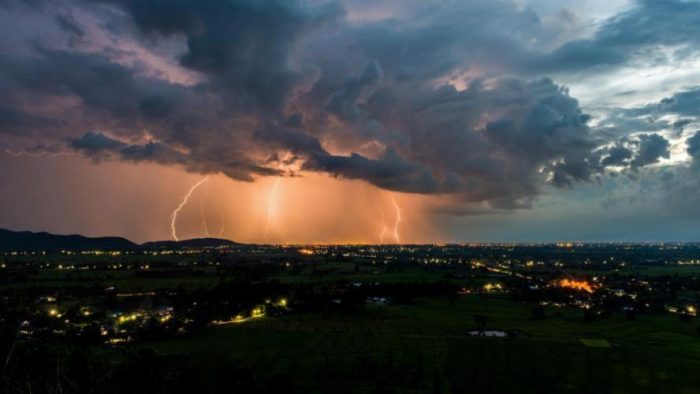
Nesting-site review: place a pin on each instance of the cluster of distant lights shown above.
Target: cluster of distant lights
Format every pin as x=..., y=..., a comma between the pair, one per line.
x=117, y=253
x=690, y=310
x=580, y=285
x=257, y=312
x=358, y=248
x=583, y=286
x=119, y=321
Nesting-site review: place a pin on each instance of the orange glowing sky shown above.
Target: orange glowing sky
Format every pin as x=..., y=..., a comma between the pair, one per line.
x=305, y=209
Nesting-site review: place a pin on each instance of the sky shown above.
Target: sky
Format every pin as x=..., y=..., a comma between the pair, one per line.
x=358, y=121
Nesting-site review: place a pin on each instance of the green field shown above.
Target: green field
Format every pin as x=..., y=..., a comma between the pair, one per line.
x=130, y=281
x=425, y=348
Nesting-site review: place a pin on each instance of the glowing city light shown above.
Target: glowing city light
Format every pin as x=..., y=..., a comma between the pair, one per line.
x=576, y=285
x=492, y=287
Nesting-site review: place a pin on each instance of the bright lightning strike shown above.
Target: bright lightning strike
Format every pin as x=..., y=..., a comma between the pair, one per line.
x=203, y=214
x=398, y=219
x=222, y=227
x=36, y=154
x=271, y=206
x=385, y=229
x=177, y=210
x=222, y=219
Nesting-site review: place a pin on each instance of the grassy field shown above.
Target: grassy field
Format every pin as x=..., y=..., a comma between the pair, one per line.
x=426, y=348
x=128, y=280
x=657, y=270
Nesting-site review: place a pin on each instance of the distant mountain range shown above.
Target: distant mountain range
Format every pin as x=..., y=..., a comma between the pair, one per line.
x=43, y=241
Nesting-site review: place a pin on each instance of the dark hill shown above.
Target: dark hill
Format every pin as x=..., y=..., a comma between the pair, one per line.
x=196, y=243
x=42, y=241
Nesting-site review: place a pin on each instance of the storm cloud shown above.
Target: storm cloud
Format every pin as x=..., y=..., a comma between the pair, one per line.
x=445, y=98
x=639, y=35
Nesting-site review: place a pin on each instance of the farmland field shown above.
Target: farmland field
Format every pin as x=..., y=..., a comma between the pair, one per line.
x=425, y=347
x=419, y=320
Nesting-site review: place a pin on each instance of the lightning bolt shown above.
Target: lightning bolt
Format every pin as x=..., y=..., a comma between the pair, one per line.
x=223, y=222
x=173, y=216
x=222, y=219
x=36, y=154
x=398, y=219
x=385, y=229
x=203, y=214
x=271, y=205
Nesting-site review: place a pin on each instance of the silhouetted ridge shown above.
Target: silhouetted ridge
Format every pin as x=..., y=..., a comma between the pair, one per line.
x=195, y=243
x=43, y=241
x=20, y=241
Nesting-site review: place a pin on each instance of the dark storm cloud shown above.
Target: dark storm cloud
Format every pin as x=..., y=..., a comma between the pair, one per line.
x=124, y=100
x=542, y=125
x=680, y=125
x=294, y=140
x=99, y=146
x=67, y=23
x=633, y=153
x=389, y=172
x=617, y=155
x=13, y=4
x=95, y=143
x=18, y=122
x=343, y=103
x=652, y=148
x=100, y=84
x=489, y=142
x=634, y=34
x=684, y=103
x=243, y=46
x=289, y=82
x=693, y=146
x=437, y=39
x=430, y=40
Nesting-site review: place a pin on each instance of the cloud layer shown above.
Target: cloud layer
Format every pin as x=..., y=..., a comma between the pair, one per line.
x=453, y=97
